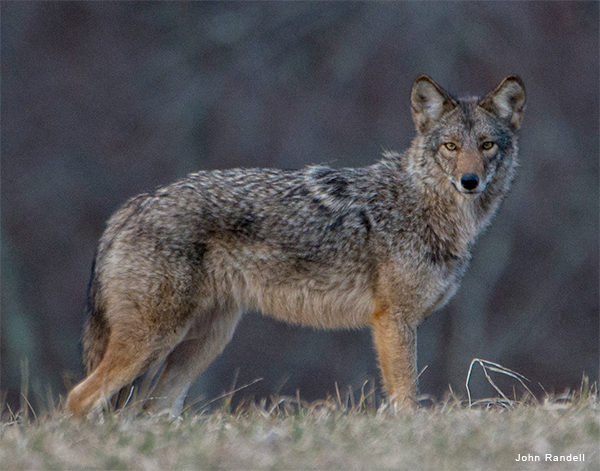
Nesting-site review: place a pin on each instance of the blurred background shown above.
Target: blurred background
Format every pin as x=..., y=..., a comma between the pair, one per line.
x=101, y=101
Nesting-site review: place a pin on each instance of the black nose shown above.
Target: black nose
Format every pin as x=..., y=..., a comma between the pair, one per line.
x=469, y=181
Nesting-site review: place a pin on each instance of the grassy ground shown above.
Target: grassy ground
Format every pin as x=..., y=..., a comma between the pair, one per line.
x=331, y=434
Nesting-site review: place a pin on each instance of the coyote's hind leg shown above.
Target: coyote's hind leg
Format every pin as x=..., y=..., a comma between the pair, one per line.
x=134, y=343
x=123, y=361
x=203, y=343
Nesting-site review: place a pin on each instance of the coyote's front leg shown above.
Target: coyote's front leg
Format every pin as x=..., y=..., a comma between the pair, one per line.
x=395, y=341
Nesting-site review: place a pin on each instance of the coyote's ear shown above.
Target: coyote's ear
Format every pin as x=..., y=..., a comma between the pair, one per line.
x=429, y=102
x=507, y=100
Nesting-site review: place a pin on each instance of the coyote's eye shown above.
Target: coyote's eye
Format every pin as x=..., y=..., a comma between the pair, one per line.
x=487, y=145
x=450, y=145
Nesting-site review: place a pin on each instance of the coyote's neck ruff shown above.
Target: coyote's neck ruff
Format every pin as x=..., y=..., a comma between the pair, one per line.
x=383, y=245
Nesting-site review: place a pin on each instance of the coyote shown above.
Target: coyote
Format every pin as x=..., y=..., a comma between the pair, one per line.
x=384, y=245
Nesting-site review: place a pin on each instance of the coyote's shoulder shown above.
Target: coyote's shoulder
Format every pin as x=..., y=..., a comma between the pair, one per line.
x=383, y=245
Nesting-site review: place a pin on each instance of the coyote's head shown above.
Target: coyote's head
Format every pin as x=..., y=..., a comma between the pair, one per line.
x=469, y=141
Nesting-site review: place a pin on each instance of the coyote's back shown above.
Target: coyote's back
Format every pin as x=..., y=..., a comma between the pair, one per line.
x=383, y=245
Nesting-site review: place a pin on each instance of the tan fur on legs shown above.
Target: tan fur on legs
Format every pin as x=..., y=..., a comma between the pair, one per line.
x=120, y=365
x=396, y=348
x=133, y=345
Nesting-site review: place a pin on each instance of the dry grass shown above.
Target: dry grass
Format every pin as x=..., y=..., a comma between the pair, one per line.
x=285, y=433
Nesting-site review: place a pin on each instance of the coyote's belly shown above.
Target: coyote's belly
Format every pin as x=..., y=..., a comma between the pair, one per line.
x=341, y=306
x=320, y=292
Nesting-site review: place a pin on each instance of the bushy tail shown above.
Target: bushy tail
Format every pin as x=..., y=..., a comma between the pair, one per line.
x=96, y=330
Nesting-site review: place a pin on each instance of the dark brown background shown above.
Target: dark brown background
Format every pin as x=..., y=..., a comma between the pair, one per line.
x=101, y=101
